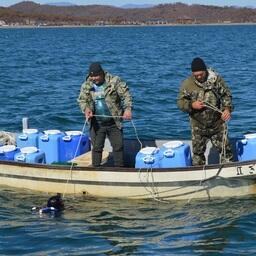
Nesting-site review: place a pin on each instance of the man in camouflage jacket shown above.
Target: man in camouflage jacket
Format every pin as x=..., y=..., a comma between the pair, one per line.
x=208, y=101
x=105, y=100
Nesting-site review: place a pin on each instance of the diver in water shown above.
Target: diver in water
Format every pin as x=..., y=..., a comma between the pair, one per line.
x=54, y=205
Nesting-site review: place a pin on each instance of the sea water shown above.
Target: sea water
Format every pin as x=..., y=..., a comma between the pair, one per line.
x=41, y=73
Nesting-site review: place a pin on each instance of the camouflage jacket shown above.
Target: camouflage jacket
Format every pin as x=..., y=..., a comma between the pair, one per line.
x=214, y=91
x=117, y=97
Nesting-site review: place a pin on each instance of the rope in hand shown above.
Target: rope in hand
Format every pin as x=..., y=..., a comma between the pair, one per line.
x=225, y=129
x=209, y=105
x=135, y=130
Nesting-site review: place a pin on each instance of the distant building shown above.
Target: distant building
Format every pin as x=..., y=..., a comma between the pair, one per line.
x=185, y=20
x=157, y=22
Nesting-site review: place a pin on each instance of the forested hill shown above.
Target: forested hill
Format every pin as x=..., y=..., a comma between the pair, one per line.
x=30, y=13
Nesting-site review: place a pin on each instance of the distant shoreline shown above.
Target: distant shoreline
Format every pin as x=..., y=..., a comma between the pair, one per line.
x=124, y=26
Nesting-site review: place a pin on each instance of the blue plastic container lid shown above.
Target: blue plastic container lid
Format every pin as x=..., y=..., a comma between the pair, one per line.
x=7, y=148
x=173, y=144
x=250, y=136
x=29, y=150
x=149, y=150
x=30, y=131
x=52, y=132
x=73, y=133
x=148, y=159
x=169, y=153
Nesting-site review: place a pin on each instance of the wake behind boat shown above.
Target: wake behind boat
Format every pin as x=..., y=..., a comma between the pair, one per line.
x=138, y=180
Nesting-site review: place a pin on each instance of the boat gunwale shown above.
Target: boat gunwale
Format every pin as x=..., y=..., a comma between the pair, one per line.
x=127, y=169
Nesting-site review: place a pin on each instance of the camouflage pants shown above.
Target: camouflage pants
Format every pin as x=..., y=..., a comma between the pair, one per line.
x=200, y=137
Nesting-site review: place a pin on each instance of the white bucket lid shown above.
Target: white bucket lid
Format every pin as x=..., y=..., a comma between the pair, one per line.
x=28, y=150
x=250, y=136
x=149, y=150
x=7, y=148
x=30, y=131
x=173, y=144
x=73, y=133
x=52, y=132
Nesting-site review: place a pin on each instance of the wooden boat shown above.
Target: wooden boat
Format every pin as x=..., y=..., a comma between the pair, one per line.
x=212, y=180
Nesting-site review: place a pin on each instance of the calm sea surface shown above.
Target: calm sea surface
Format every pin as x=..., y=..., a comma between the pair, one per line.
x=40, y=77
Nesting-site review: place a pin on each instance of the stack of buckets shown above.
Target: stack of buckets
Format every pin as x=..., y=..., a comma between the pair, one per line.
x=51, y=146
x=171, y=154
x=246, y=148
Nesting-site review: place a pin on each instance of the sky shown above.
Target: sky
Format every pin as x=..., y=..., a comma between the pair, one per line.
x=247, y=3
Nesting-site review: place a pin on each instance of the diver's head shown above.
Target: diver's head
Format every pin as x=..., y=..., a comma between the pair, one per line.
x=56, y=202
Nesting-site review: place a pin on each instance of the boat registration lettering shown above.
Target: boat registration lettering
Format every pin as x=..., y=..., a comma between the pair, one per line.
x=251, y=170
x=239, y=170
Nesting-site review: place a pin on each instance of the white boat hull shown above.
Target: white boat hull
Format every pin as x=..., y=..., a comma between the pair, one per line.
x=230, y=180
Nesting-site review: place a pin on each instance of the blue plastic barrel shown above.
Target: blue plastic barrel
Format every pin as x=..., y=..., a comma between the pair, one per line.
x=28, y=138
x=8, y=152
x=246, y=148
x=175, y=154
x=73, y=144
x=1, y=153
x=49, y=143
x=30, y=155
x=147, y=157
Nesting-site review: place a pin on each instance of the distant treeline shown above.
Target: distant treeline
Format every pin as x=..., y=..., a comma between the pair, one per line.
x=30, y=13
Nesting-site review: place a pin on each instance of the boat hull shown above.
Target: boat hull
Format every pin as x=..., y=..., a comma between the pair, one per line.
x=228, y=180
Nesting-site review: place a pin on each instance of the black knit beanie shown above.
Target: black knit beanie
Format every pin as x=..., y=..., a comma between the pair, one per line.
x=95, y=69
x=198, y=65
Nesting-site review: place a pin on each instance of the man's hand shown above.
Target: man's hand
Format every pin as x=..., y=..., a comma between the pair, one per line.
x=127, y=115
x=88, y=113
x=198, y=104
x=226, y=115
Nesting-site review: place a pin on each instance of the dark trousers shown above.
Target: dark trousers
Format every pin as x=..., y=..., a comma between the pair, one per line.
x=98, y=133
